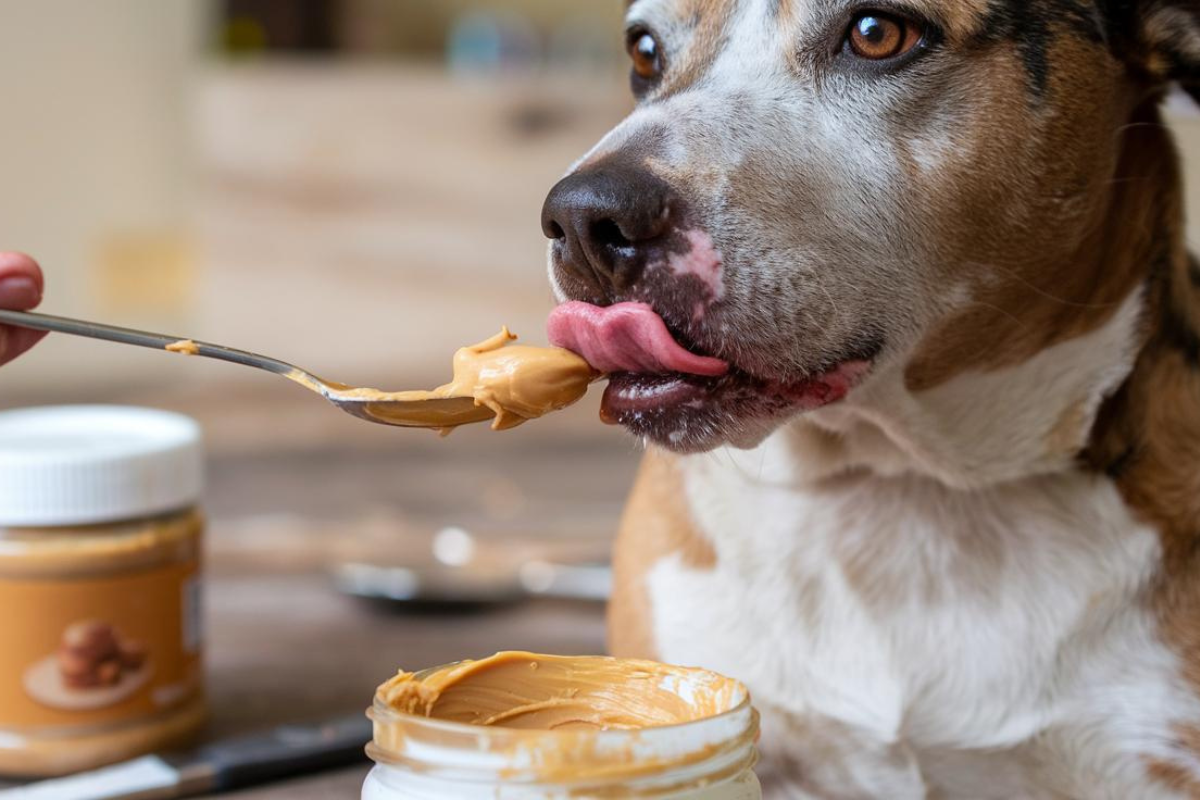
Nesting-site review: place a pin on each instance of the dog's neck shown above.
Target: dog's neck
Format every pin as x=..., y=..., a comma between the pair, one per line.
x=979, y=428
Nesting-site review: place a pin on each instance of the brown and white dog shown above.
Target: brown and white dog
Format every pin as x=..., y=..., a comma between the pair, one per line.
x=897, y=293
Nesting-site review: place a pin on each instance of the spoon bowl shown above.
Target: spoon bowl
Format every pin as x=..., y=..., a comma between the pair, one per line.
x=441, y=413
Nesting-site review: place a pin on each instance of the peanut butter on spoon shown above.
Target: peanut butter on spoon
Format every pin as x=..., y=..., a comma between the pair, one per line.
x=509, y=384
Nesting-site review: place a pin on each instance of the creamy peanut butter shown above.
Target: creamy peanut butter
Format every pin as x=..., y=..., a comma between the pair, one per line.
x=540, y=692
x=185, y=347
x=509, y=384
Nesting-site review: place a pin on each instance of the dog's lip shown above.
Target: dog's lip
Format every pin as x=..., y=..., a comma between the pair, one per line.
x=630, y=396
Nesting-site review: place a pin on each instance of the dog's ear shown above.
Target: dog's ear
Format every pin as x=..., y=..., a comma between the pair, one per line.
x=1170, y=40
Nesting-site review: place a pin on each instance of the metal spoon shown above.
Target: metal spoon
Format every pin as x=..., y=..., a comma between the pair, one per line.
x=403, y=409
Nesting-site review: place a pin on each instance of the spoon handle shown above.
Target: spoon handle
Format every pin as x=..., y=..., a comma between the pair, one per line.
x=156, y=341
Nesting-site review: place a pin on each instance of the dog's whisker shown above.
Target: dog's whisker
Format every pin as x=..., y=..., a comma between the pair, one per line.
x=1038, y=290
x=1002, y=311
x=1134, y=125
x=821, y=286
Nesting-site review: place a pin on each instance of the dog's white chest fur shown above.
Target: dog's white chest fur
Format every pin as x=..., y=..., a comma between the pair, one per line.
x=938, y=631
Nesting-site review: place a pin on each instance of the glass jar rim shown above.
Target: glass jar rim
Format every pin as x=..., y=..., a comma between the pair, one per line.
x=701, y=750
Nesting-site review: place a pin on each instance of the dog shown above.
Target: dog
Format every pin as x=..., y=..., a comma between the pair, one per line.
x=897, y=295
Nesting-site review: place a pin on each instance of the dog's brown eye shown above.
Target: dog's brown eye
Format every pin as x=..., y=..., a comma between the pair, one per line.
x=879, y=37
x=646, y=54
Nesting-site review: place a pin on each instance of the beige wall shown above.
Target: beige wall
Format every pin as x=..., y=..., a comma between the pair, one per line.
x=94, y=134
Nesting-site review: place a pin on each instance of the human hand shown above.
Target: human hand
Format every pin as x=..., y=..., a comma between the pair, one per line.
x=20, y=290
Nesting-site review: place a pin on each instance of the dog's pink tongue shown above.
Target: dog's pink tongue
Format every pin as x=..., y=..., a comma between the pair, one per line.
x=627, y=337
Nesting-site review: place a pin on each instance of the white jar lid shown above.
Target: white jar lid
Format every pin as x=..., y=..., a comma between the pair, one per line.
x=79, y=465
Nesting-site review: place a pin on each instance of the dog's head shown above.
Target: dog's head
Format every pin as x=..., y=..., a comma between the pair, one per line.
x=811, y=188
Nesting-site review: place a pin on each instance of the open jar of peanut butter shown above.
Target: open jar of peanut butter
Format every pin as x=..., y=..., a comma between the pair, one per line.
x=100, y=544
x=519, y=726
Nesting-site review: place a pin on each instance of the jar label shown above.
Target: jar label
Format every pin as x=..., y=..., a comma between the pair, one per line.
x=91, y=651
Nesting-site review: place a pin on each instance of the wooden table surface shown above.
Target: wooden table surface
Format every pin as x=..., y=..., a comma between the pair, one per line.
x=295, y=487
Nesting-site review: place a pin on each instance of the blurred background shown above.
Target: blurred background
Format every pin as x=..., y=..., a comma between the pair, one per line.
x=353, y=186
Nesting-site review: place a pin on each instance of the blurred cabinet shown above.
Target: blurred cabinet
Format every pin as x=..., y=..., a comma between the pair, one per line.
x=367, y=221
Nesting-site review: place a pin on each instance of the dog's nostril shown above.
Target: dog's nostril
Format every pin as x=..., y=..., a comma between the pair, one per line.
x=607, y=222
x=607, y=232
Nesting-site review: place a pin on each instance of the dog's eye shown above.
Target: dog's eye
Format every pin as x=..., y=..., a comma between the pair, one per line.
x=646, y=54
x=880, y=37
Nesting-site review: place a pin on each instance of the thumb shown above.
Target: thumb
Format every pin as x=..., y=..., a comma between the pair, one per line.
x=20, y=289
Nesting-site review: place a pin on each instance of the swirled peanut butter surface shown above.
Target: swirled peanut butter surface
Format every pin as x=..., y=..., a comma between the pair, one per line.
x=509, y=384
x=539, y=692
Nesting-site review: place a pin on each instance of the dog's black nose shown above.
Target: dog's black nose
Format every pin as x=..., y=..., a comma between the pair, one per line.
x=603, y=221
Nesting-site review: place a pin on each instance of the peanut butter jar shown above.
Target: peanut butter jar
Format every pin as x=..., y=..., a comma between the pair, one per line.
x=100, y=619
x=519, y=726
